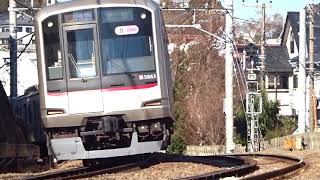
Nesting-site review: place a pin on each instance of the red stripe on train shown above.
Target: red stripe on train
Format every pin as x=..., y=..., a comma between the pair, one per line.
x=57, y=93
x=108, y=89
x=130, y=87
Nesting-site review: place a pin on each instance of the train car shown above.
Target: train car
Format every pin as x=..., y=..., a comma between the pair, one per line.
x=27, y=111
x=13, y=142
x=104, y=78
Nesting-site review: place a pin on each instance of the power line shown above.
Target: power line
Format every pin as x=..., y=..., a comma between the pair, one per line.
x=23, y=5
x=24, y=49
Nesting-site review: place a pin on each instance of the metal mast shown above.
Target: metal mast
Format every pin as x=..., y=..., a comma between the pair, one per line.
x=263, y=49
x=229, y=77
x=13, y=50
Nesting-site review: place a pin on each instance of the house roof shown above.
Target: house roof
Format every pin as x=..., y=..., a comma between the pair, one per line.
x=277, y=60
x=293, y=20
x=22, y=20
x=4, y=35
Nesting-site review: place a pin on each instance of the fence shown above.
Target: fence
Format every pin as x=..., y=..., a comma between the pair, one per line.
x=292, y=142
x=211, y=150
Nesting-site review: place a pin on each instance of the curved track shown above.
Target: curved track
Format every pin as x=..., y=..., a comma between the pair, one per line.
x=235, y=165
x=294, y=166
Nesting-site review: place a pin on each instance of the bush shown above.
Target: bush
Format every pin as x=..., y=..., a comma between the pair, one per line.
x=240, y=124
x=177, y=145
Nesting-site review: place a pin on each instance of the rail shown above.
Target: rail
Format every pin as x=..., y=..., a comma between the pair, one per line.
x=237, y=165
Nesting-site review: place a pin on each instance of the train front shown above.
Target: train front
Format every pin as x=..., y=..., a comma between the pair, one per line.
x=104, y=78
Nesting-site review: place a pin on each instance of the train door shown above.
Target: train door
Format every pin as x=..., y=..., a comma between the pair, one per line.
x=82, y=66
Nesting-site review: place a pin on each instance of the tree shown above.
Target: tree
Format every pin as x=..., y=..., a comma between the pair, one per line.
x=274, y=26
x=4, y=5
x=198, y=94
x=250, y=29
x=271, y=124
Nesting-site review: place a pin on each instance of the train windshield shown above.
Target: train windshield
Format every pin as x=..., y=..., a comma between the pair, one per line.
x=52, y=48
x=126, y=40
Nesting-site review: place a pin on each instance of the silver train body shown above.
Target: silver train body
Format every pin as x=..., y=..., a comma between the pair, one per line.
x=104, y=78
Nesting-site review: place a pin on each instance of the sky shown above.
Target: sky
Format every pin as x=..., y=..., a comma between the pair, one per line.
x=277, y=6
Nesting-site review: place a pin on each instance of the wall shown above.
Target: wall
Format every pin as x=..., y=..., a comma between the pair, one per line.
x=292, y=142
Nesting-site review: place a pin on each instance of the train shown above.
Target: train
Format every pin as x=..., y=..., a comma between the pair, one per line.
x=14, y=141
x=105, y=86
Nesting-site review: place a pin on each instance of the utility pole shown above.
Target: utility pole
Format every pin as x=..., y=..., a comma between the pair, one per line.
x=311, y=67
x=13, y=50
x=229, y=77
x=263, y=42
x=263, y=48
x=302, y=73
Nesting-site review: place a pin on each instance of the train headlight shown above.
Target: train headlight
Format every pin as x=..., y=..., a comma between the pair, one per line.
x=143, y=15
x=153, y=103
x=50, y=24
x=55, y=111
x=142, y=128
x=155, y=127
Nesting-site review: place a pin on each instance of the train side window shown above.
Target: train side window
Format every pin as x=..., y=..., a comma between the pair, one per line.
x=33, y=112
x=52, y=49
x=30, y=112
x=25, y=112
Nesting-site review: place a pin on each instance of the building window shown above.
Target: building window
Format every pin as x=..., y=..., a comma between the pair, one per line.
x=291, y=43
x=271, y=81
x=4, y=41
x=28, y=29
x=5, y=29
x=295, y=81
x=283, y=82
x=19, y=29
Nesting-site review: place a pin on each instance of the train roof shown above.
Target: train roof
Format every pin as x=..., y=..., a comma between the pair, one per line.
x=85, y=4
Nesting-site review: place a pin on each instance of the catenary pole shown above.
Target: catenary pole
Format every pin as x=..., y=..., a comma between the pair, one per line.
x=229, y=78
x=302, y=73
x=13, y=50
x=263, y=48
x=311, y=66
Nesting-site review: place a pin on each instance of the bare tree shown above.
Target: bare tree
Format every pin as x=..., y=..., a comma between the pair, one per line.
x=250, y=29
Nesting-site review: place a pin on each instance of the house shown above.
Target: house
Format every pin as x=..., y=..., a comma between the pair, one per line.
x=24, y=32
x=27, y=62
x=279, y=80
x=282, y=63
x=290, y=39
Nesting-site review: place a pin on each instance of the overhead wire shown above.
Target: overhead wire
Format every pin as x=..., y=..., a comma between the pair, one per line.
x=24, y=5
x=24, y=49
x=188, y=17
x=241, y=73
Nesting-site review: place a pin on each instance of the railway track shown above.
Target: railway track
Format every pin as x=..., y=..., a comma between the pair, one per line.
x=82, y=172
x=233, y=166
x=293, y=167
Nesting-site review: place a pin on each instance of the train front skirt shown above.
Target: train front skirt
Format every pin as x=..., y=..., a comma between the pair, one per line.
x=72, y=148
